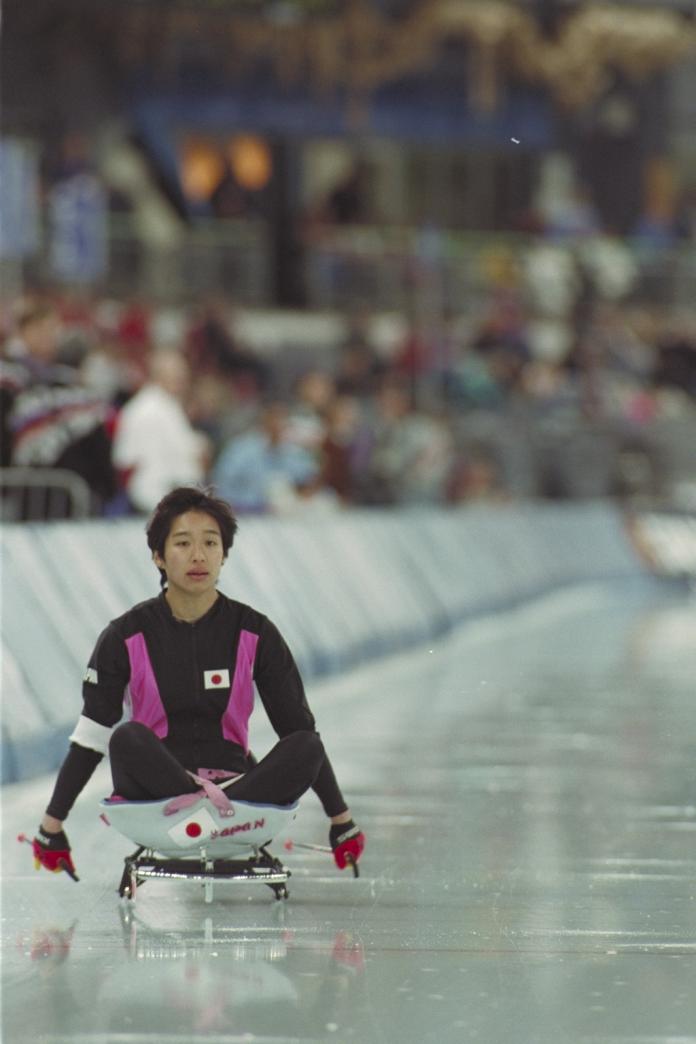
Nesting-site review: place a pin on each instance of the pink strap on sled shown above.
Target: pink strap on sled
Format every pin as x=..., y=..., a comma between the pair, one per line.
x=208, y=789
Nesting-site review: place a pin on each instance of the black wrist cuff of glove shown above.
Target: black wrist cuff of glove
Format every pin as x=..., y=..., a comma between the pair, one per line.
x=341, y=832
x=54, y=841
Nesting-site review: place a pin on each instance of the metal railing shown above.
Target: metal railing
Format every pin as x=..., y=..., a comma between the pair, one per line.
x=230, y=257
x=390, y=267
x=384, y=267
x=43, y=494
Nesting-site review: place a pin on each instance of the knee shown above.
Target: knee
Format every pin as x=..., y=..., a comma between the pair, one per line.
x=307, y=747
x=127, y=737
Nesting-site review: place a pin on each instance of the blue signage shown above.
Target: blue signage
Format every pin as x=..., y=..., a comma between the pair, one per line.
x=19, y=199
x=78, y=217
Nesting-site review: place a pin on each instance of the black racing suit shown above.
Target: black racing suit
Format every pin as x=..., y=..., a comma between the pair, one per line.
x=192, y=685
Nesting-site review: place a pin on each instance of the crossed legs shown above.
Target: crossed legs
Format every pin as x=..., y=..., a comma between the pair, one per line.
x=143, y=769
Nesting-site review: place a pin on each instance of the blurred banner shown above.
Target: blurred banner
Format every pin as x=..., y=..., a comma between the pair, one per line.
x=19, y=199
x=78, y=217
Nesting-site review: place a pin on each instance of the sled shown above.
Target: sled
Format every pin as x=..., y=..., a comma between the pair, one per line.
x=200, y=843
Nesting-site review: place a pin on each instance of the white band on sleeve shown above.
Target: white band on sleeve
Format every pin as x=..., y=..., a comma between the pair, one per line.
x=91, y=734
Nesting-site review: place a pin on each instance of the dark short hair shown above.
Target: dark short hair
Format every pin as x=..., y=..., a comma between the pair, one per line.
x=189, y=498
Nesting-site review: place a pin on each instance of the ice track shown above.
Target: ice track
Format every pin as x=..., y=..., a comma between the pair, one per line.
x=528, y=790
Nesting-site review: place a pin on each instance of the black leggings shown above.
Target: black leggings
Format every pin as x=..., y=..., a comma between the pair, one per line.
x=143, y=769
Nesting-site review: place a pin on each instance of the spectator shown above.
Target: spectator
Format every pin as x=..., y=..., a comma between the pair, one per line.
x=475, y=382
x=411, y=452
x=675, y=366
x=263, y=470
x=551, y=391
x=360, y=369
x=156, y=448
x=314, y=394
x=475, y=476
x=228, y=198
x=574, y=214
x=107, y=372
x=339, y=448
x=214, y=409
x=213, y=347
x=48, y=419
x=134, y=326
x=347, y=201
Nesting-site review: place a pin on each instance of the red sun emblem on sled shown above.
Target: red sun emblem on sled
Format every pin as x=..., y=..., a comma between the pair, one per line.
x=194, y=829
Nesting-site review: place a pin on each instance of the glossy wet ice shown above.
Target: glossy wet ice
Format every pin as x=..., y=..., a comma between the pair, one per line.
x=528, y=791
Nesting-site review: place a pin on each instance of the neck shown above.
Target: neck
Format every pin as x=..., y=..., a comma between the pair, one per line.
x=189, y=608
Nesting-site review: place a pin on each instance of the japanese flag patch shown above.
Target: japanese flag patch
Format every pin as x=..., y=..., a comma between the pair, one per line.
x=216, y=679
x=195, y=828
x=91, y=676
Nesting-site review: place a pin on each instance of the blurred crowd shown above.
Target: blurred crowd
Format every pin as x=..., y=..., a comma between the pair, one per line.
x=137, y=400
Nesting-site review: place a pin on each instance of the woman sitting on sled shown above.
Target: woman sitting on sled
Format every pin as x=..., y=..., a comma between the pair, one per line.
x=185, y=663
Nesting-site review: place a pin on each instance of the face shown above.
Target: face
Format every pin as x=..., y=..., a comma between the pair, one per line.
x=275, y=420
x=41, y=337
x=193, y=554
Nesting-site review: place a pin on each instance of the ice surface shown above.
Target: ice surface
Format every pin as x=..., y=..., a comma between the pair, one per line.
x=528, y=792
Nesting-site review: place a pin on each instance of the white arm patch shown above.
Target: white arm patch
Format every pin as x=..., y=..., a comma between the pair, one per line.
x=91, y=734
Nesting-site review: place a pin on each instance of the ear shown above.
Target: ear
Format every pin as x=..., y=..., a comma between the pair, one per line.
x=158, y=560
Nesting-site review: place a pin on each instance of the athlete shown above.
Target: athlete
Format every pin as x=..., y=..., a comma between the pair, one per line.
x=183, y=665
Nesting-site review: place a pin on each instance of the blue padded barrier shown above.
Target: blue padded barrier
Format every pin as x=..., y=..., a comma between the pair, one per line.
x=342, y=588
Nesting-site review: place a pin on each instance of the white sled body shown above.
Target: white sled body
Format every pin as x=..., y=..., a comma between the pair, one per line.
x=199, y=828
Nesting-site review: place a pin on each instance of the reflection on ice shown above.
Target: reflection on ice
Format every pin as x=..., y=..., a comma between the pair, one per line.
x=192, y=978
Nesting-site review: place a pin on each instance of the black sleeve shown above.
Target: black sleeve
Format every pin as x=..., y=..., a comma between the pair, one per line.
x=105, y=681
x=282, y=694
x=280, y=685
x=328, y=791
x=74, y=774
x=102, y=693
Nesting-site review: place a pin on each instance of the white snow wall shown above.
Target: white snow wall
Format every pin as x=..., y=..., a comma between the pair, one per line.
x=342, y=589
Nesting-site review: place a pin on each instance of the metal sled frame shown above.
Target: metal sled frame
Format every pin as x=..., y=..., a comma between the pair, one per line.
x=260, y=867
x=200, y=842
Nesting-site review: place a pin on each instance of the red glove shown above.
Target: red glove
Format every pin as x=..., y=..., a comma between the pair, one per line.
x=52, y=851
x=347, y=842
